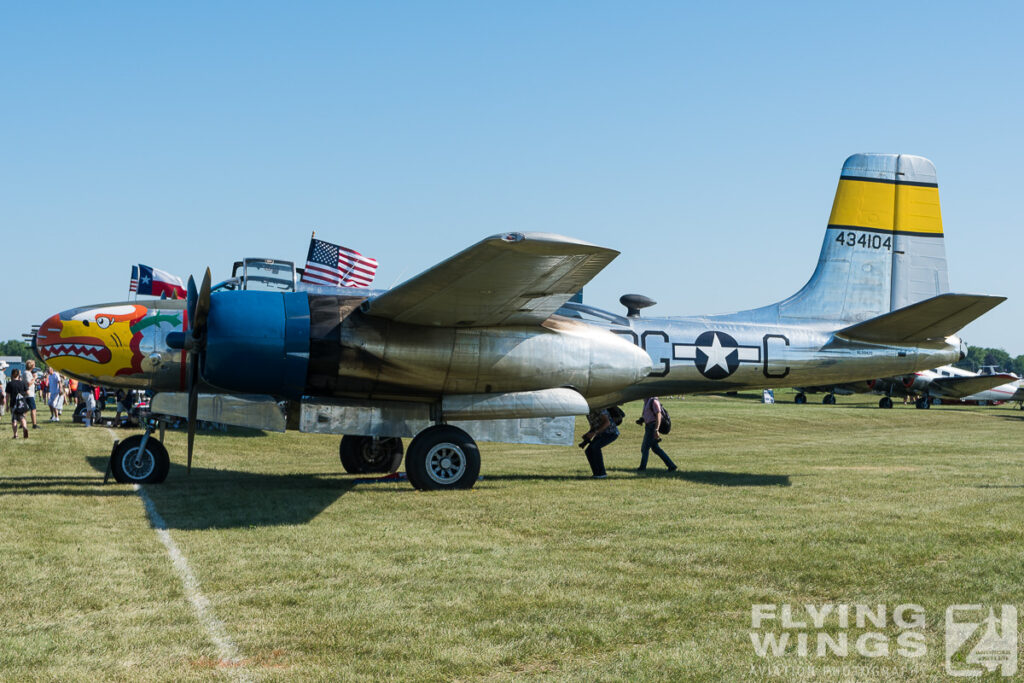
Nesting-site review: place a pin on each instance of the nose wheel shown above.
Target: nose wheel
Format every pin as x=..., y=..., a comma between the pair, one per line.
x=139, y=460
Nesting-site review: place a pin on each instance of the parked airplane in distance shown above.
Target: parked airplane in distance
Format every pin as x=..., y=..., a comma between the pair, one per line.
x=1011, y=390
x=487, y=342
x=927, y=387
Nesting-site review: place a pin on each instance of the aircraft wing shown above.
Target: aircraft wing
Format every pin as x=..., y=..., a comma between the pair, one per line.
x=510, y=279
x=934, y=318
x=959, y=387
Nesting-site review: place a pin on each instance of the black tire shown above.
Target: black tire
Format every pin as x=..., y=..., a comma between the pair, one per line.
x=129, y=466
x=829, y=399
x=800, y=399
x=366, y=455
x=885, y=402
x=442, y=457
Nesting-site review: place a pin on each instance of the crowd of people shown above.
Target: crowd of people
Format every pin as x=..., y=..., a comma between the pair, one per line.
x=23, y=389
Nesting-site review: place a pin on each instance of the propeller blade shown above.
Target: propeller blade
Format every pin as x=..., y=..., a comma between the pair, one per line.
x=193, y=404
x=198, y=310
x=190, y=299
x=202, y=310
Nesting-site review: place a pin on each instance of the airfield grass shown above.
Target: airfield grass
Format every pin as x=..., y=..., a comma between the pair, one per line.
x=537, y=573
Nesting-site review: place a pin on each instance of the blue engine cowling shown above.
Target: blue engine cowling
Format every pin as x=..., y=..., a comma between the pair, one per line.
x=258, y=342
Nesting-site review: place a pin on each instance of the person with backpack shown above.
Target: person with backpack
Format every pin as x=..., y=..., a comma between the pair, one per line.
x=17, y=401
x=603, y=430
x=654, y=419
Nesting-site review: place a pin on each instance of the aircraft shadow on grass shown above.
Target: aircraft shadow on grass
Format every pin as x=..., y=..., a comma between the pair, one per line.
x=56, y=486
x=223, y=499
x=713, y=477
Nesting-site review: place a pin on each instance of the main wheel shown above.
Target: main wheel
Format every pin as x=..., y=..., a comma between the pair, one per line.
x=132, y=465
x=885, y=402
x=442, y=457
x=370, y=454
x=829, y=399
x=800, y=399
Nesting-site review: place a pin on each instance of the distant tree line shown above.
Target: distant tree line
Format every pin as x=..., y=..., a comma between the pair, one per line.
x=978, y=356
x=16, y=348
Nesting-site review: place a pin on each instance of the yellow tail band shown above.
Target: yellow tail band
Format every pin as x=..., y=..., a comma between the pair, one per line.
x=887, y=206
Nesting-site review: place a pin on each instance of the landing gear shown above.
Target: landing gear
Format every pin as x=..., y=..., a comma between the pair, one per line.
x=885, y=402
x=923, y=403
x=139, y=460
x=370, y=454
x=800, y=399
x=442, y=457
x=829, y=399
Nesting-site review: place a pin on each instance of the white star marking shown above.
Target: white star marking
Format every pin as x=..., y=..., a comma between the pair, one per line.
x=716, y=355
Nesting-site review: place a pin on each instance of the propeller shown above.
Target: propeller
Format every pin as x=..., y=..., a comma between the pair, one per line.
x=198, y=305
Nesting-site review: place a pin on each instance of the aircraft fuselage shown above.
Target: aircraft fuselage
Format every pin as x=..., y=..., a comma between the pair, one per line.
x=712, y=354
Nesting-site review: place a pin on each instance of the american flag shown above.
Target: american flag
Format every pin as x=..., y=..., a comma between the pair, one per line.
x=330, y=264
x=133, y=285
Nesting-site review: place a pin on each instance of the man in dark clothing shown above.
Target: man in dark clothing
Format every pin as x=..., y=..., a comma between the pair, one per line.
x=17, y=402
x=602, y=432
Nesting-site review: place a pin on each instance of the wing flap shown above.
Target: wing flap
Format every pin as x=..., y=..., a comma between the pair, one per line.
x=934, y=318
x=510, y=279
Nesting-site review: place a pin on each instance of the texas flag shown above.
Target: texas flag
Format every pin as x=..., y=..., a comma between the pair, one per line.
x=158, y=283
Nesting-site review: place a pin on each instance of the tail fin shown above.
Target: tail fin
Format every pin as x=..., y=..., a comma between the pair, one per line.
x=883, y=247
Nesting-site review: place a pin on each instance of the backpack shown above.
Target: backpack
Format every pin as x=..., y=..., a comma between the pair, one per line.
x=616, y=414
x=20, y=405
x=666, y=422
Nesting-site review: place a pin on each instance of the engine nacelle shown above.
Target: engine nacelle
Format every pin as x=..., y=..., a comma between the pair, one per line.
x=258, y=342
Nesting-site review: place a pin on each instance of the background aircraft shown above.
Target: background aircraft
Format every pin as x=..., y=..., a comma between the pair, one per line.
x=930, y=386
x=487, y=343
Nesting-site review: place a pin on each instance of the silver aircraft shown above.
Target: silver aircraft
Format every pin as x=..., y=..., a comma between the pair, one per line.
x=927, y=387
x=488, y=343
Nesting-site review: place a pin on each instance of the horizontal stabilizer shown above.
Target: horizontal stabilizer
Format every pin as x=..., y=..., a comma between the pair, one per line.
x=934, y=318
x=959, y=387
x=510, y=279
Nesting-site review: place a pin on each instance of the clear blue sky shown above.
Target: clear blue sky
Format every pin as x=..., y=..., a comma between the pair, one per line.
x=703, y=141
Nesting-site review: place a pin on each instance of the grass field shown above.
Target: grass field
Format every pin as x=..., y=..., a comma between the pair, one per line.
x=539, y=572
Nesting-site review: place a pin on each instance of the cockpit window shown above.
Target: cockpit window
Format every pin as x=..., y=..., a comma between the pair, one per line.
x=269, y=275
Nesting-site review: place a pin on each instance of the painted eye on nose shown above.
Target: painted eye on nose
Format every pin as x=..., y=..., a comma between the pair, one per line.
x=103, y=321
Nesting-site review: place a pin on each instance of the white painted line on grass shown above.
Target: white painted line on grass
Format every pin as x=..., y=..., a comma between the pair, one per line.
x=227, y=651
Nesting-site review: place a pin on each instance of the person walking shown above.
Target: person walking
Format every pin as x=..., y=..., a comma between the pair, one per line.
x=602, y=432
x=30, y=380
x=3, y=387
x=16, y=394
x=652, y=422
x=88, y=394
x=56, y=400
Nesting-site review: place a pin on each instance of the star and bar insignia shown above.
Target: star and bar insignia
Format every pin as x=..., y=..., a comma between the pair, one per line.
x=716, y=355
